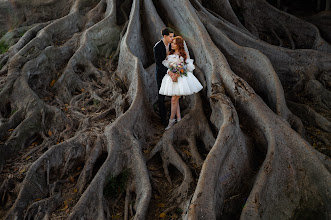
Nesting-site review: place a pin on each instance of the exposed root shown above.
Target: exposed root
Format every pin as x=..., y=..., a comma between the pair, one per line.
x=76, y=114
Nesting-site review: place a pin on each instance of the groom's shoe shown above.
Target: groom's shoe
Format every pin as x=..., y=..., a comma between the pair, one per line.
x=171, y=123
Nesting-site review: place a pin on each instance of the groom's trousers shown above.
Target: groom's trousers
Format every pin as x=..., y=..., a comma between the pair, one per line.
x=162, y=109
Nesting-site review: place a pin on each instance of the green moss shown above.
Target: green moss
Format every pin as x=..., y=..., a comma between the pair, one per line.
x=3, y=47
x=179, y=211
x=96, y=102
x=115, y=185
x=13, y=111
x=21, y=33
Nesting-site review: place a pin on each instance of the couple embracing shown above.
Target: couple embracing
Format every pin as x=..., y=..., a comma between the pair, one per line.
x=173, y=74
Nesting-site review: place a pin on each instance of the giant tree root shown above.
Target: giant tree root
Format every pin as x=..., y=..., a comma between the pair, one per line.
x=77, y=97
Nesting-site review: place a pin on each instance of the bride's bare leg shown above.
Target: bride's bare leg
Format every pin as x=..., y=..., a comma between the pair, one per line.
x=178, y=111
x=174, y=104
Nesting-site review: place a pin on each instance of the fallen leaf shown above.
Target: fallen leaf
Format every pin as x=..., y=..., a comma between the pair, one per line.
x=52, y=83
x=187, y=152
x=83, y=90
x=50, y=133
x=22, y=170
x=161, y=205
x=71, y=179
x=11, y=130
x=65, y=206
x=28, y=157
x=83, y=109
x=79, y=168
x=174, y=216
x=162, y=215
x=117, y=216
x=75, y=190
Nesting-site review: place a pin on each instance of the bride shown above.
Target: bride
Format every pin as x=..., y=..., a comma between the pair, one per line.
x=176, y=85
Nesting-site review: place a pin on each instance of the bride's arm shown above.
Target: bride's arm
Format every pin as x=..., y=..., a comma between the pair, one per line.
x=166, y=62
x=189, y=64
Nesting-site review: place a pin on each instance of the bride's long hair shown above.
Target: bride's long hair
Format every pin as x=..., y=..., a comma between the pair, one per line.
x=180, y=43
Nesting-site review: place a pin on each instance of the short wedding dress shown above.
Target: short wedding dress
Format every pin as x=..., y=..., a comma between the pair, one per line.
x=185, y=85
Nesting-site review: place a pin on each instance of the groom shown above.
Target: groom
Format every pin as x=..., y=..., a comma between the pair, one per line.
x=160, y=50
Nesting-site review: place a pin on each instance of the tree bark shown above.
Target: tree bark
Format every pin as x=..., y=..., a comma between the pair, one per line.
x=78, y=91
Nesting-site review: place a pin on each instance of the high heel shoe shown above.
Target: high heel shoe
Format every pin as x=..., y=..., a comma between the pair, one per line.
x=171, y=123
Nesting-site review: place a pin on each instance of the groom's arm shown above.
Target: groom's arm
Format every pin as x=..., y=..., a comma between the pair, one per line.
x=159, y=58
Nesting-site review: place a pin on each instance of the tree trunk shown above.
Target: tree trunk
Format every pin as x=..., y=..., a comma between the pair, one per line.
x=81, y=139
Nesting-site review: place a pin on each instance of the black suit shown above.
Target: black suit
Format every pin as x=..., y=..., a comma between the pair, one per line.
x=160, y=54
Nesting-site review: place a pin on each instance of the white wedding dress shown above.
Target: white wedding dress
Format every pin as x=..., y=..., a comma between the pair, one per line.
x=185, y=85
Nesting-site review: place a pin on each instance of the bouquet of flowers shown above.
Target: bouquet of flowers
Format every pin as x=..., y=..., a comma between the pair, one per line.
x=177, y=69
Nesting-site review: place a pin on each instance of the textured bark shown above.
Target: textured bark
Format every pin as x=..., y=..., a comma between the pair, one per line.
x=78, y=90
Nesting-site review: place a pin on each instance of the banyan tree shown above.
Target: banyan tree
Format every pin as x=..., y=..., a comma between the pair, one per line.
x=80, y=137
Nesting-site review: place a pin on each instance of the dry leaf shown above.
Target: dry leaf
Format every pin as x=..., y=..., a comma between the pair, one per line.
x=50, y=133
x=22, y=170
x=187, y=152
x=11, y=130
x=83, y=109
x=83, y=90
x=75, y=190
x=162, y=215
x=161, y=205
x=28, y=157
x=52, y=83
x=71, y=179
x=117, y=216
x=174, y=216
x=65, y=206
x=79, y=168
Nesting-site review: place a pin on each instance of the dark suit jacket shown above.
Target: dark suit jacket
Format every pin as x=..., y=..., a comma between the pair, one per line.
x=160, y=54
